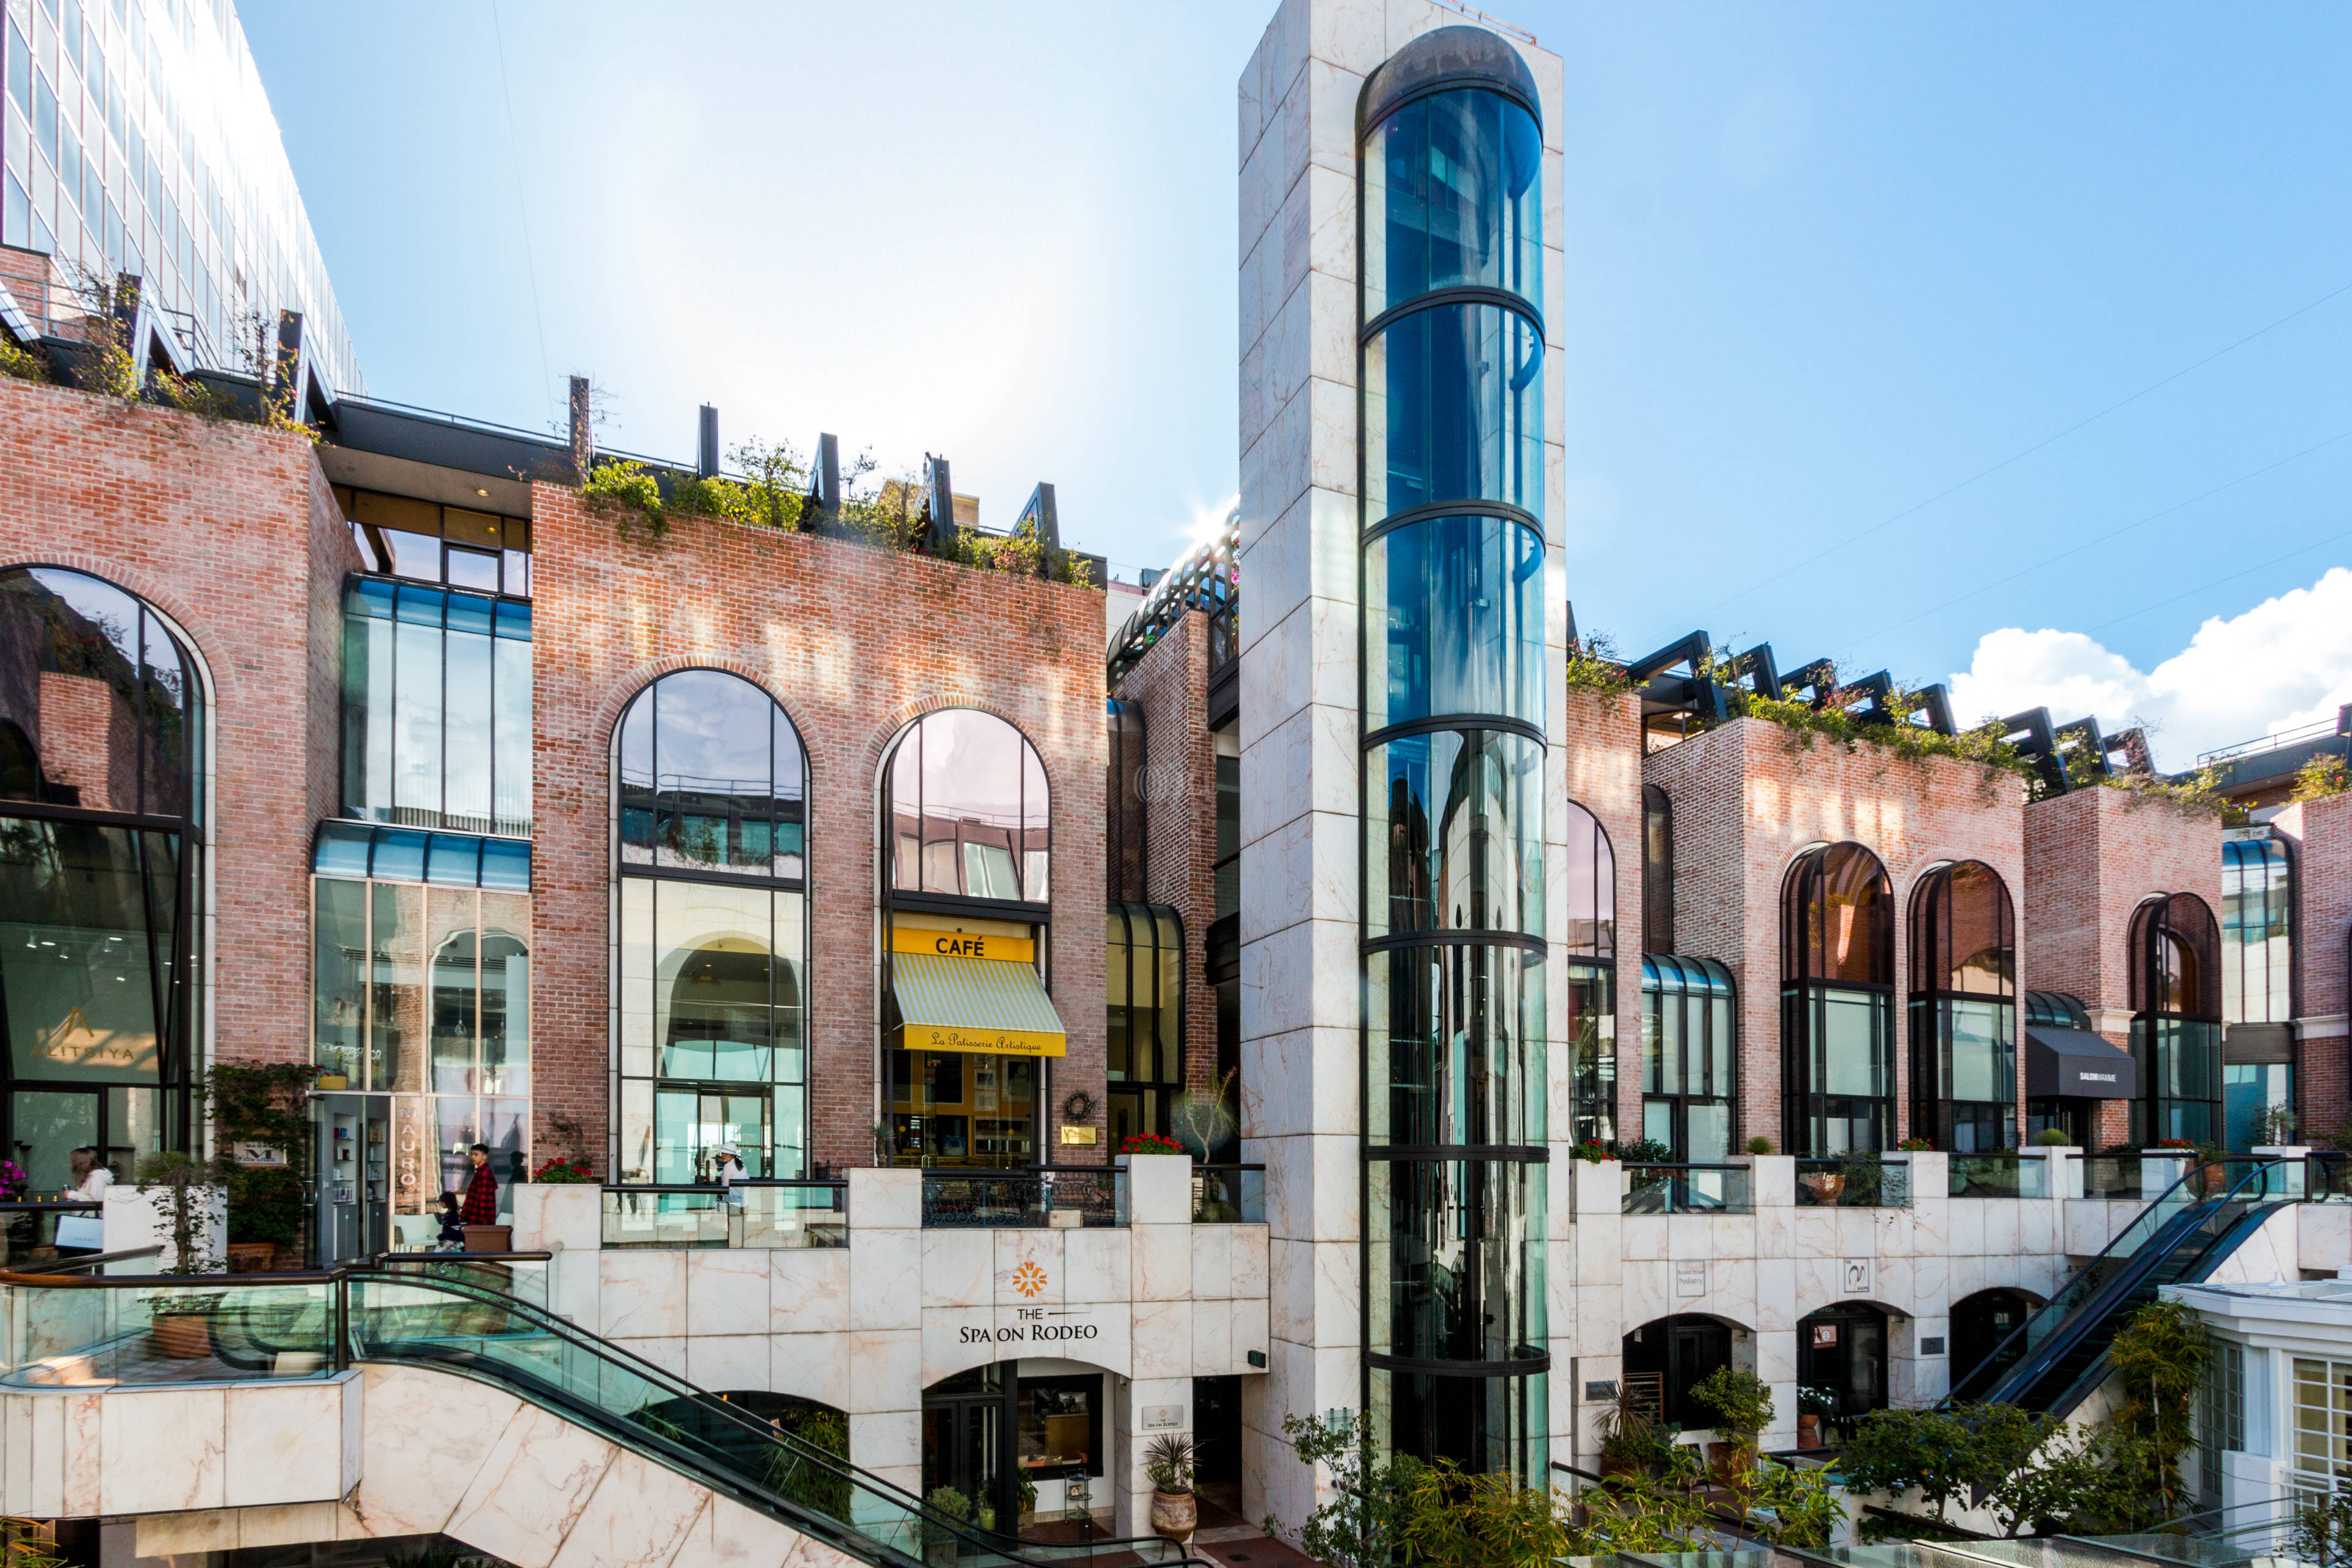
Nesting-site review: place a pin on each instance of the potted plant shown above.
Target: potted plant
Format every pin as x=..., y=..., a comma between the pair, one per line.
x=1148, y=1143
x=1826, y=1186
x=944, y=1509
x=1742, y=1403
x=1629, y=1438
x=1815, y=1407
x=1759, y=1146
x=1175, y=1511
x=560, y=1171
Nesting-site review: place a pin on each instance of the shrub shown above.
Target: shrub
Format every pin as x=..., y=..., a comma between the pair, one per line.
x=1759, y=1145
x=2321, y=777
x=560, y=1171
x=1742, y=1401
x=1148, y=1143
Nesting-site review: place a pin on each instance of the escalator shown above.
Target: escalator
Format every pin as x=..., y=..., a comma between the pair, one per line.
x=466, y=1319
x=2056, y=1361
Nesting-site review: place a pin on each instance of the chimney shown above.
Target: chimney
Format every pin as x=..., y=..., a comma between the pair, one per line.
x=583, y=432
x=706, y=456
x=942, y=538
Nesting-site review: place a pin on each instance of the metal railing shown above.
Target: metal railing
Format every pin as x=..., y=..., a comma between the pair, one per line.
x=1687, y=1189
x=1040, y=1196
x=2003, y=1173
x=1228, y=1194
x=761, y=1214
x=2318, y=730
x=1859, y=1181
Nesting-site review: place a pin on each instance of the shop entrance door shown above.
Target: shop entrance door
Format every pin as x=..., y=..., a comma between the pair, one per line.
x=965, y=1420
x=1843, y=1350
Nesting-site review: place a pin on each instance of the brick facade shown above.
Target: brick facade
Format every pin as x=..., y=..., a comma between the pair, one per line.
x=231, y=533
x=1170, y=684
x=1600, y=749
x=2319, y=837
x=1749, y=797
x=855, y=643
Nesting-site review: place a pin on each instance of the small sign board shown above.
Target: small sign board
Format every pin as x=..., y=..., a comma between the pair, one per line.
x=1857, y=1276
x=1600, y=1389
x=250, y=1153
x=1690, y=1278
x=1163, y=1418
x=1081, y=1137
x=1933, y=1346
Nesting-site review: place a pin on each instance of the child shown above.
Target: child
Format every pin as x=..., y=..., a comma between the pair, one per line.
x=452, y=1234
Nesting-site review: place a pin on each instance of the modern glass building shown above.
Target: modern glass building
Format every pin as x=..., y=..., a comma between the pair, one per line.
x=136, y=139
x=1451, y=424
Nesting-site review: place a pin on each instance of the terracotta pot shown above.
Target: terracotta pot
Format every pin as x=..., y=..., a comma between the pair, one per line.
x=182, y=1336
x=489, y=1237
x=1729, y=1462
x=1825, y=1185
x=1175, y=1515
x=1808, y=1430
x=1612, y=1465
x=251, y=1256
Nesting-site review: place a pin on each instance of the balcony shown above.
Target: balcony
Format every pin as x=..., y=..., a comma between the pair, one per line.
x=1687, y=1189
x=2004, y=1174
x=1861, y=1181
x=1057, y=1197
x=787, y=1214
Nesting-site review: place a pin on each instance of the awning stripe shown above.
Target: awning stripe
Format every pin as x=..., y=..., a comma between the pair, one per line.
x=957, y=1004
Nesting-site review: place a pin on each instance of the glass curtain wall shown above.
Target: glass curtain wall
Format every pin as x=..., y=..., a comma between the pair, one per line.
x=1837, y=1002
x=1143, y=1048
x=101, y=840
x=1690, y=1057
x=709, y=1036
x=1964, y=1010
x=1450, y=432
x=420, y=994
x=2258, y=1073
x=2175, y=1028
x=437, y=707
x=1588, y=927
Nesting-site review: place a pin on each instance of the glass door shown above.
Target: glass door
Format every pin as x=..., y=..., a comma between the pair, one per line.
x=964, y=1422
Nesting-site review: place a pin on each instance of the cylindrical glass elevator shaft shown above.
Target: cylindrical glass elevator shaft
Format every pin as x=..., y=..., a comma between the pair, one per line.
x=1451, y=429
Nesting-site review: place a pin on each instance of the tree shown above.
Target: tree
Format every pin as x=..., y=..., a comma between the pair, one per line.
x=1357, y=1529
x=2034, y=1466
x=1897, y=1450
x=2158, y=1361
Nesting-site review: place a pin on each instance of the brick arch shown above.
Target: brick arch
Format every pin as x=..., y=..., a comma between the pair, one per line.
x=220, y=679
x=895, y=721
x=626, y=690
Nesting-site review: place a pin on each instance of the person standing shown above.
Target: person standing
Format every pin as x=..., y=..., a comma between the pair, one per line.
x=730, y=1171
x=481, y=1205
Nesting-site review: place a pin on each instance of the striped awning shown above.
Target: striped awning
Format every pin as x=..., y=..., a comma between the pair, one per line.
x=948, y=1003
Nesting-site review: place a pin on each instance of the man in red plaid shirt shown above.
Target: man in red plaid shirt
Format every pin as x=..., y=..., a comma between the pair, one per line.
x=481, y=1205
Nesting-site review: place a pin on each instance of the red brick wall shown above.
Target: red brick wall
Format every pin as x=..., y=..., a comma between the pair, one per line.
x=2319, y=833
x=1748, y=797
x=1599, y=748
x=854, y=643
x=1171, y=684
x=219, y=527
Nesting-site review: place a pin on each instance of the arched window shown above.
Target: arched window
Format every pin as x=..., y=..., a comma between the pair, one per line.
x=1837, y=999
x=1690, y=1057
x=967, y=1024
x=1657, y=870
x=1589, y=929
x=2175, y=1019
x=712, y=1044
x=1963, y=1009
x=970, y=815
x=101, y=810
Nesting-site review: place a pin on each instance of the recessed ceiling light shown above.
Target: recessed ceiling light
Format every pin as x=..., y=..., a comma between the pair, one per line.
x=485, y=494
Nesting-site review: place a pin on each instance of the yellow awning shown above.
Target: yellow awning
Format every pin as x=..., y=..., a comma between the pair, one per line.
x=955, y=1004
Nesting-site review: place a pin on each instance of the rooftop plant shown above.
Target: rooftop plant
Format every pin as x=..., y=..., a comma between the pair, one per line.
x=2321, y=777
x=1594, y=666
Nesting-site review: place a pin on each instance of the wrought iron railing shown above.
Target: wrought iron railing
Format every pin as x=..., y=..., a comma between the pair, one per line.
x=1040, y=1196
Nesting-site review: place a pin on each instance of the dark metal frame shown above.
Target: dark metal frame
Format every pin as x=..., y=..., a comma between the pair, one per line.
x=2187, y=917
x=1929, y=1014
x=1801, y=897
x=1697, y=1023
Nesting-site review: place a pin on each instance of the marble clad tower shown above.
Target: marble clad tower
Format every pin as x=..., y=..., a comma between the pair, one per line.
x=1401, y=820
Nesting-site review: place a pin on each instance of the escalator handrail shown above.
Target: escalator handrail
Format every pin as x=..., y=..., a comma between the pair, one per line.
x=2148, y=1228
x=644, y=1438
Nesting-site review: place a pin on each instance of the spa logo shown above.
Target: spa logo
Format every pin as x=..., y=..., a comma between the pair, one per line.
x=1029, y=1279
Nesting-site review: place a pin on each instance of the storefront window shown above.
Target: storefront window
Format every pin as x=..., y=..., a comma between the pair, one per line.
x=712, y=1039
x=1837, y=1002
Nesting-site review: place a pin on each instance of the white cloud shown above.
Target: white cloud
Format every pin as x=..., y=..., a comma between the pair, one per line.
x=2286, y=662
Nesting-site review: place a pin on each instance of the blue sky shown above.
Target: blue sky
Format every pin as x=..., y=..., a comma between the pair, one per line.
x=1825, y=263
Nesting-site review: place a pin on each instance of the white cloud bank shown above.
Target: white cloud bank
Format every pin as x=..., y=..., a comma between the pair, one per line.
x=2286, y=662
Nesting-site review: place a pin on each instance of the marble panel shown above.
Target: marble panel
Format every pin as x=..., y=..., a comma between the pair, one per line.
x=171, y=1534
x=1931, y=1229
x=1967, y=1218
x=1857, y=1231
x=531, y=1489
x=1212, y=1338
x=1332, y=465
x=1892, y=1283
x=78, y=1423
x=284, y=1445
x=1894, y=1233
x=726, y=1290
x=413, y=1475
x=1732, y=1236
x=667, y=1352
x=2323, y=1235
x=1600, y=1257
x=1097, y=1265
x=808, y=1290
x=1212, y=1261
x=2001, y=1227
x=1338, y=1200
x=1776, y=1356
x=1292, y=1298
x=887, y=1439
x=725, y=1364
x=885, y=1278
x=1163, y=1339
x=1775, y=1231
x=730, y=1535
x=286, y=1524
x=1036, y=1254
x=1776, y=1295
x=2043, y=1275
x=1250, y=1249
x=163, y=1451
x=1821, y=1281
x=959, y=1267
x=1688, y=1238
x=1277, y=981
x=1968, y=1274
x=886, y=1370
x=2003, y=1270
x=1329, y=305
x=639, y=1516
x=1643, y=1238
x=1338, y=1294
x=641, y=1293
x=1350, y=35
x=1649, y=1290
x=814, y=1366
x=1251, y=1330
x=2037, y=1226
x=885, y=1199
x=1931, y=1282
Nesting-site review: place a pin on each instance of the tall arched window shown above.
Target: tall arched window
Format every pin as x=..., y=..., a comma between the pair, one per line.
x=1963, y=1009
x=1837, y=1002
x=102, y=815
x=966, y=1022
x=1589, y=935
x=1690, y=1057
x=2175, y=1019
x=711, y=1043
